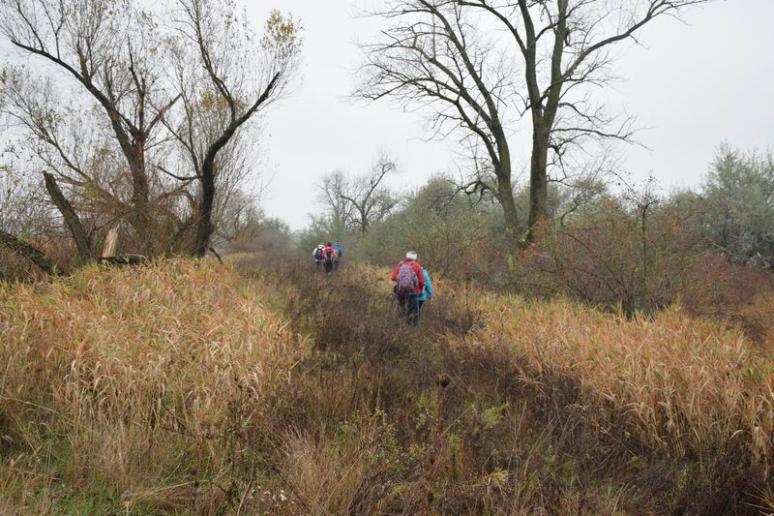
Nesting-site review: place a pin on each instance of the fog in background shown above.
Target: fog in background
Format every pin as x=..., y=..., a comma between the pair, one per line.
x=690, y=86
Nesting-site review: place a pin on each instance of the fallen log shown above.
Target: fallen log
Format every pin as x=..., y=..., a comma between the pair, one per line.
x=125, y=259
x=32, y=253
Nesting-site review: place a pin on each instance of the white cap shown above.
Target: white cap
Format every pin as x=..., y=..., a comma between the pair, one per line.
x=411, y=255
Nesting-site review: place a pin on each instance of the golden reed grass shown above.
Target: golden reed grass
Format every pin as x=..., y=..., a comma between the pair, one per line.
x=683, y=385
x=187, y=387
x=130, y=375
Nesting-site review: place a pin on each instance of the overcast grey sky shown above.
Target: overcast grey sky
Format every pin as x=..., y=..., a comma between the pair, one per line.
x=691, y=86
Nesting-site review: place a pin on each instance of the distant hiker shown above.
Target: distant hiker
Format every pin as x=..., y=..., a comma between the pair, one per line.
x=427, y=293
x=409, y=284
x=339, y=254
x=317, y=254
x=329, y=257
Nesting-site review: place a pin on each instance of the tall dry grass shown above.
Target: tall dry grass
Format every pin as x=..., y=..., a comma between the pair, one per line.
x=187, y=387
x=132, y=388
x=663, y=414
x=687, y=400
x=681, y=385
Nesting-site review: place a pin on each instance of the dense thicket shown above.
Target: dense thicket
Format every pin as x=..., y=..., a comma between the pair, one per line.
x=629, y=245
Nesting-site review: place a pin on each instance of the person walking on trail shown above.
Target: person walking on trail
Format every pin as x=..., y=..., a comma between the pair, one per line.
x=427, y=293
x=329, y=258
x=317, y=254
x=339, y=254
x=409, y=284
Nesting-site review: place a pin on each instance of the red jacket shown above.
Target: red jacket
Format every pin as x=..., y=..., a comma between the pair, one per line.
x=417, y=269
x=329, y=253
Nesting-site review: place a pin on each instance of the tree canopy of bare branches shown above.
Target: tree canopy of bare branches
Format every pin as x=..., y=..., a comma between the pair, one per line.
x=434, y=53
x=155, y=128
x=226, y=82
x=109, y=50
x=443, y=53
x=359, y=202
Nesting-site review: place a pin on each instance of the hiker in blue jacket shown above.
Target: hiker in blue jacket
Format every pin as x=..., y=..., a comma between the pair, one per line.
x=427, y=293
x=339, y=254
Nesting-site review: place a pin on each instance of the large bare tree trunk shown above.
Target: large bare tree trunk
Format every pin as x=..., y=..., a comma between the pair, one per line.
x=30, y=252
x=505, y=187
x=82, y=240
x=204, y=227
x=544, y=105
x=538, y=180
x=141, y=218
x=510, y=215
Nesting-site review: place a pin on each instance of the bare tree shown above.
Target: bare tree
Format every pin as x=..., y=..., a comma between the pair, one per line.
x=359, y=202
x=564, y=45
x=73, y=221
x=79, y=149
x=110, y=50
x=338, y=211
x=370, y=200
x=643, y=200
x=225, y=83
x=435, y=51
x=434, y=54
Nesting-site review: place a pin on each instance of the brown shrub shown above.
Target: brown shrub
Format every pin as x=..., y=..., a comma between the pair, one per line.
x=741, y=296
x=612, y=258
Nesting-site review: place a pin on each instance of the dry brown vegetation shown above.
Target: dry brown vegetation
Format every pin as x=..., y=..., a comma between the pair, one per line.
x=187, y=387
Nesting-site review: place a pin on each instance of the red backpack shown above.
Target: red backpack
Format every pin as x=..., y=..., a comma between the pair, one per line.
x=407, y=281
x=329, y=254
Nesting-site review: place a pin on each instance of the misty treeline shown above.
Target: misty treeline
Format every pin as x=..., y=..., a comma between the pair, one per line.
x=145, y=120
x=607, y=239
x=483, y=70
x=138, y=117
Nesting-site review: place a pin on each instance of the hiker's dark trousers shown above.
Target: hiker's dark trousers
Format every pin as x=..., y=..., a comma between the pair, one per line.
x=410, y=303
x=329, y=266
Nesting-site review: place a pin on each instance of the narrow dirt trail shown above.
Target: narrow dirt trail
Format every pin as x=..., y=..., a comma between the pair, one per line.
x=464, y=427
